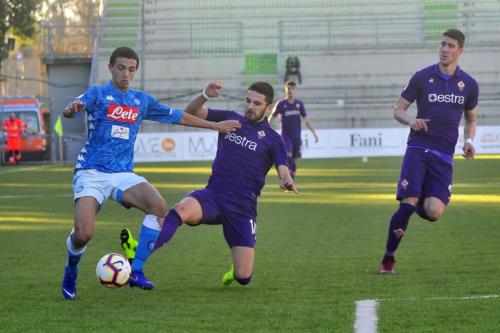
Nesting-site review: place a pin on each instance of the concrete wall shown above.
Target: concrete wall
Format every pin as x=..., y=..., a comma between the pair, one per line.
x=70, y=79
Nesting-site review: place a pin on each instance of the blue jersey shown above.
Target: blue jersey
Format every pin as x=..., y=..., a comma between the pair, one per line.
x=113, y=120
x=245, y=156
x=442, y=99
x=290, y=114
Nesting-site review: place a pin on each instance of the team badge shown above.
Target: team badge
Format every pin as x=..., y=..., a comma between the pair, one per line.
x=461, y=85
x=431, y=80
x=404, y=184
x=261, y=134
x=137, y=101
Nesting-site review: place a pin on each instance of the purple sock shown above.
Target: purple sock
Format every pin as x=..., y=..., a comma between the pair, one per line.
x=244, y=281
x=399, y=221
x=170, y=224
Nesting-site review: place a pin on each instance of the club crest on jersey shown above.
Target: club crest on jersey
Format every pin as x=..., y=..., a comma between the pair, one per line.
x=461, y=85
x=261, y=135
x=123, y=113
x=404, y=184
x=431, y=80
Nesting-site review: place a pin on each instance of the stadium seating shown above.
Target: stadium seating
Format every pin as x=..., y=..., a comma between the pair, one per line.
x=356, y=56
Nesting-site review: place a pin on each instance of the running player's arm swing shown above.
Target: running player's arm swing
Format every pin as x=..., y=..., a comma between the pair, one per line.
x=469, y=133
x=402, y=116
x=286, y=181
x=72, y=108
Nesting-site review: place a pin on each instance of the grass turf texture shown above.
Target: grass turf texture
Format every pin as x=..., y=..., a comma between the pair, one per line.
x=317, y=253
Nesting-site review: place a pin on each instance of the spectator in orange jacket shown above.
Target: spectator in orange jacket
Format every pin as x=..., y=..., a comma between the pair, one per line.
x=14, y=127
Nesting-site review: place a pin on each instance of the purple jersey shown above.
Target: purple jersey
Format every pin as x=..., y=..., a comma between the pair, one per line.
x=290, y=114
x=442, y=99
x=113, y=122
x=245, y=156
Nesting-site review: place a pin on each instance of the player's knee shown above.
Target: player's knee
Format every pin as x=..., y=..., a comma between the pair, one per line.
x=434, y=214
x=243, y=280
x=82, y=237
x=158, y=207
x=183, y=211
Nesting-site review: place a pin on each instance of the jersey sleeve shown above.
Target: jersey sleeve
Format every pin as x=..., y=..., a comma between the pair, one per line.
x=410, y=92
x=90, y=98
x=302, y=110
x=219, y=115
x=278, y=151
x=473, y=99
x=162, y=113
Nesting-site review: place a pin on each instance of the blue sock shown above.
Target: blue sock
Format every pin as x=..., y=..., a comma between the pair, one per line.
x=170, y=225
x=73, y=260
x=399, y=221
x=74, y=254
x=147, y=240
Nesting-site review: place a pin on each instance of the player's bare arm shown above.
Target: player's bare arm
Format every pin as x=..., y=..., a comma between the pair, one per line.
x=225, y=126
x=401, y=115
x=72, y=108
x=311, y=128
x=286, y=181
x=195, y=106
x=470, y=117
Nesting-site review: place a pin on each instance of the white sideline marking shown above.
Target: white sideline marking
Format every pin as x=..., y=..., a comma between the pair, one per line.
x=366, y=316
x=366, y=310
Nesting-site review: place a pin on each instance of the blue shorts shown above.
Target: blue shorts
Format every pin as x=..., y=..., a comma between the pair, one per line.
x=424, y=174
x=236, y=214
x=293, y=146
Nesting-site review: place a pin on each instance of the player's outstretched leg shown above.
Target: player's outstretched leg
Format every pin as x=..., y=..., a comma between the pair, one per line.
x=129, y=244
x=148, y=235
x=68, y=287
x=397, y=229
x=228, y=277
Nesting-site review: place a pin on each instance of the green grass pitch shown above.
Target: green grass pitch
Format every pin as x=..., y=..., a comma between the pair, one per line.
x=317, y=253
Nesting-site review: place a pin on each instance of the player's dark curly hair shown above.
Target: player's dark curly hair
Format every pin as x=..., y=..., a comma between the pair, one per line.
x=265, y=89
x=456, y=35
x=123, y=52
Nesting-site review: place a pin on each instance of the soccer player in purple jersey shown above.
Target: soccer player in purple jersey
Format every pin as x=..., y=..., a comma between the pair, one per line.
x=444, y=92
x=242, y=162
x=104, y=167
x=291, y=110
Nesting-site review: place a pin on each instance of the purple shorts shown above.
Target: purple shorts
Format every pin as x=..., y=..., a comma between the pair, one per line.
x=237, y=214
x=424, y=174
x=293, y=146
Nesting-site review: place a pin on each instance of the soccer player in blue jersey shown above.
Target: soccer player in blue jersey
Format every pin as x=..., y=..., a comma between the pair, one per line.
x=444, y=92
x=291, y=110
x=104, y=167
x=242, y=162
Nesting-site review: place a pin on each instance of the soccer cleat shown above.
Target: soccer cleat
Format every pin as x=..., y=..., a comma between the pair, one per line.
x=68, y=287
x=387, y=265
x=228, y=278
x=129, y=244
x=138, y=279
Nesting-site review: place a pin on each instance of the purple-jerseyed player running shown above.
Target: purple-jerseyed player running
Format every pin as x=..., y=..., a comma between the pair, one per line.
x=291, y=111
x=242, y=162
x=104, y=167
x=444, y=92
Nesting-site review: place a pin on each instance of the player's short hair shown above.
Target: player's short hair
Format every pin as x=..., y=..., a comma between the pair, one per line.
x=123, y=52
x=265, y=89
x=290, y=84
x=456, y=35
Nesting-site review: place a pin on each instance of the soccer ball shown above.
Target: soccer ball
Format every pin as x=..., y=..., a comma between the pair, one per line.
x=113, y=270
